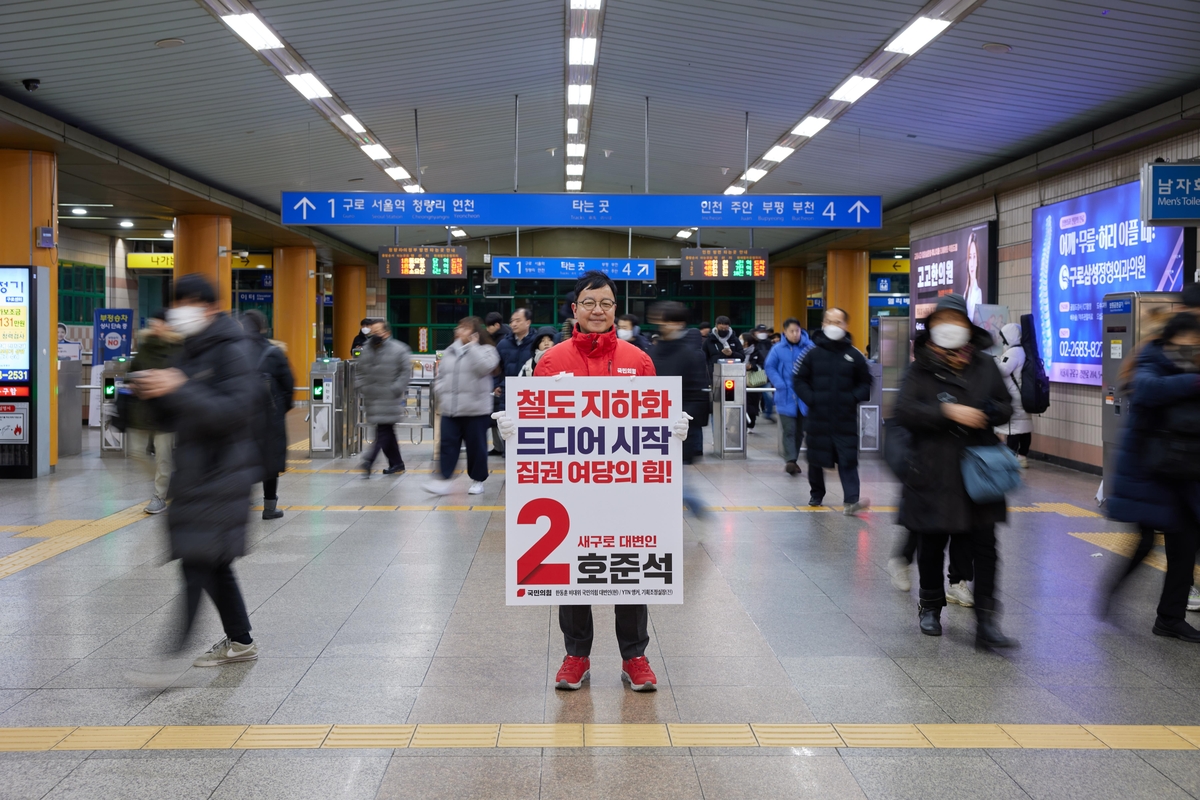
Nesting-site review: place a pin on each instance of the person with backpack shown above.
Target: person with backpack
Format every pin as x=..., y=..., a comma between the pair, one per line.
x=1018, y=431
x=276, y=387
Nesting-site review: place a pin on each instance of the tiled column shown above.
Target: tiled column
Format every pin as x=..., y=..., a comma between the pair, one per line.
x=296, y=308
x=846, y=276
x=202, y=245
x=349, y=306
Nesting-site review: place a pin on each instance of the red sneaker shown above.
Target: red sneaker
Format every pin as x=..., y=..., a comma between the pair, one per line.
x=573, y=672
x=637, y=672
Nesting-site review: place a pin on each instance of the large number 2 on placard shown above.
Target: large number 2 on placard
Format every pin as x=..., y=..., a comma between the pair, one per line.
x=530, y=569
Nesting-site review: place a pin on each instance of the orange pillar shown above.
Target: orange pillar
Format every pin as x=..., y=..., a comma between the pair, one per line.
x=847, y=274
x=28, y=201
x=296, y=309
x=349, y=306
x=202, y=244
x=791, y=295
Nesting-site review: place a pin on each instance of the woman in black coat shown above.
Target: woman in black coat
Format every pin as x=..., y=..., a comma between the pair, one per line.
x=275, y=397
x=678, y=353
x=951, y=399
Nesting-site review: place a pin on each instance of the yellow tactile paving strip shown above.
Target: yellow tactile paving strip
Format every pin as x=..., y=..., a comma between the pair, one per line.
x=59, y=541
x=489, y=736
x=1123, y=544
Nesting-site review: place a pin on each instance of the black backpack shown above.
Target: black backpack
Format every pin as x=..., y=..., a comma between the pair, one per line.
x=1035, y=384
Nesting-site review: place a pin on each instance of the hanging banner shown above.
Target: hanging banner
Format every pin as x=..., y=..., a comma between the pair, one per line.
x=594, y=491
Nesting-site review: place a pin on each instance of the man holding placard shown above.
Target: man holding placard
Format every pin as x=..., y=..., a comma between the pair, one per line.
x=601, y=430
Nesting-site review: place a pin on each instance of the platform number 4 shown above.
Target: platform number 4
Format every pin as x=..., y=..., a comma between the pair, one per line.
x=531, y=569
x=829, y=212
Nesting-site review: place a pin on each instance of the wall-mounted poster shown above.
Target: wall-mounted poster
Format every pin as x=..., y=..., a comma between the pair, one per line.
x=956, y=262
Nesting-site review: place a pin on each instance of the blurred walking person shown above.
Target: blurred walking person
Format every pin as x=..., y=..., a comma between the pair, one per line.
x=463, y=389
x=158, y=347
x=382, y=376
x=1018, y=431
x=677, y=353
x=277, y=386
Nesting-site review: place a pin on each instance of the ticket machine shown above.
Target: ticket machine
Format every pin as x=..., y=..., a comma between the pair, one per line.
x=729, y=409
x=327, y=408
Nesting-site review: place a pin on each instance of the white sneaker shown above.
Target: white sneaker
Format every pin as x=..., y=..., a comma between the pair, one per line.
x=960, y=594
x=227, y=652
x=476, y=487
x=439, y=486
x=852, y=509
x=1193, y=601
x=1023, y=461
x=898, y=569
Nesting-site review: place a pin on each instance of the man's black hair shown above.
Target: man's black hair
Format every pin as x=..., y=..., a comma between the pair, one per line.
x=705, y=324
x=791, y=321
x=669, y=311
x=194, y=287
x=630, y=318
x=1183, y=322
x=493, y=318
x=254, y=321
x=723, y=320
x=364, y=321
x=525, y=312
x=594, y=280
x=845, y=314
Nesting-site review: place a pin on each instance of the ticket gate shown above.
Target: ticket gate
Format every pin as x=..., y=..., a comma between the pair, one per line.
x=327, y=408
x=418, y=407
x=112, y=383
x=729, y=409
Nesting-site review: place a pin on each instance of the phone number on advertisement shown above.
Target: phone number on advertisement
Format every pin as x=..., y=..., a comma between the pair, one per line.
x=1083, y=349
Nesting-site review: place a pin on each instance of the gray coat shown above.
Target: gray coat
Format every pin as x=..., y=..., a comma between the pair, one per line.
x=464, y=380
x=382, y=376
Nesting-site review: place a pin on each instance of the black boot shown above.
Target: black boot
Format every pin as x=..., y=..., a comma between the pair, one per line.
x=988, y=633
x=931, y=621
x=270, y=509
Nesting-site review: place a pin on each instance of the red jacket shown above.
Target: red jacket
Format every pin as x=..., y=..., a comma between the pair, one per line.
x=594, y=354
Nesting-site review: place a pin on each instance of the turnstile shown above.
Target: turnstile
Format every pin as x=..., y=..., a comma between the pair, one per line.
x=418, y=407
x=70, y=408
x=327, y=408
x=729, y=409
x=1128, y=317
x=112, y=383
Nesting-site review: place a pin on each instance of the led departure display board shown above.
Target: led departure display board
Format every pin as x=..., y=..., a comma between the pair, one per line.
x=14, y=324
x=423, y=262
x=723, y=263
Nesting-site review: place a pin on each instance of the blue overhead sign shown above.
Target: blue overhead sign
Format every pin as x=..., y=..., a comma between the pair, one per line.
x=583, y=210
x=1170, y=193
x=621, y=269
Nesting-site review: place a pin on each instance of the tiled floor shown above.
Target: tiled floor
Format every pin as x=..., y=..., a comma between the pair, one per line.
x=382, y=617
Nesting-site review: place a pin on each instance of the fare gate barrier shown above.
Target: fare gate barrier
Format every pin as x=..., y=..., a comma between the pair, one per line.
x=418, y=409
x=729, y=409
x=327, y=408
x=112, y=383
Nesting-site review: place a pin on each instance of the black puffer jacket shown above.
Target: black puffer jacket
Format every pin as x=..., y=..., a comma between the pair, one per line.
x=270, y=432
x=832, y=379
x=216, y=460
x=682, y=357
x=935, y=499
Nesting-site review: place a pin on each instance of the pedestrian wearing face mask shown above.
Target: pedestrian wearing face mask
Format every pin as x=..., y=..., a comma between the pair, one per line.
x=831, y=381
x=722, y=344
x=364, y=332
x=382, y=376
x=952, y=398
x=545, y=338
x=762, y=345
x=629, y=331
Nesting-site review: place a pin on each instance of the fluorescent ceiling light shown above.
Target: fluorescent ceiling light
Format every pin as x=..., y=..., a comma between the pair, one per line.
x=78, y=210
x=307, y=84
x=754, y=174
x=581, y=51
x=810, y=126
x=126, y=223
x=585, y=5
x=353, y=123
x=458, y=233
x=579, y=95
x=736, y=190
x=168, y=234
x=923, y=31
x=576, y=149
x=574, y=186
x=572, y=125
x=686, y=233
x=412, y=188
x=397, y=173
x=778, y=153
x=376, y=151
x=253, y=31
x=853, y=89
x=574, y=169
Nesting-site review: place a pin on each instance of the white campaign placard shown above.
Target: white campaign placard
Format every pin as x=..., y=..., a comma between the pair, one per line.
x=594, y=491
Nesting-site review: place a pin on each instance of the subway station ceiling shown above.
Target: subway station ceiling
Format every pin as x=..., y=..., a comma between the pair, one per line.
x=211, y=109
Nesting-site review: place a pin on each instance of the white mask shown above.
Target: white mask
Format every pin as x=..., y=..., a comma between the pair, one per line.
x=624, y=334
x=833, y=333
x=187, y=320
x=365, y=331
x=949, y=337
x=762, y=337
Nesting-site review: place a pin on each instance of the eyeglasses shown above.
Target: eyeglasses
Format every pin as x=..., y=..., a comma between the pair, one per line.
x=590, y=305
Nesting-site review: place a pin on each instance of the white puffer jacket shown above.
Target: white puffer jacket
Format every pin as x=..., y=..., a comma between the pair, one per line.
x=1010, y=362
x=464, y=380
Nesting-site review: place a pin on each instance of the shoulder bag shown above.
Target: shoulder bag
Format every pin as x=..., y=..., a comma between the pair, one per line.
x=990, y=472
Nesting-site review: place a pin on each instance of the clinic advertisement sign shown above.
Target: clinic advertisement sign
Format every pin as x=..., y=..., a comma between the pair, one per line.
x=594, y=491
x=112, y=334
x=958, y=262
x=1083, y=249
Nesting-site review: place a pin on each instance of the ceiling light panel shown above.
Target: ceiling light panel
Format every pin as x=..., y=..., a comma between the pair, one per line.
x=255, y=30
x=574, y=169
x=585, y=21
x=574, y=186
x=376, y=151
x=934, y=19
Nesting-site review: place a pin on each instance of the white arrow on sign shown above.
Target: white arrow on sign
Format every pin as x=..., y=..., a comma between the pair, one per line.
x=304, y=205
x=858, y=208
x=502, y=267
x=643, y=269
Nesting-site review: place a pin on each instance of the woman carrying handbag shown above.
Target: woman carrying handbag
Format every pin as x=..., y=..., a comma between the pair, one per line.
x=951, y=400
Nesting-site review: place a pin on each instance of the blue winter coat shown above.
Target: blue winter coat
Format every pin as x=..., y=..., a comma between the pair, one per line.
x=1136, y=495
x=780, y=363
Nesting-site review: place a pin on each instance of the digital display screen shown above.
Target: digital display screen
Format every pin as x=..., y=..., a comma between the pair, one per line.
x=723, y=263
x=14, y=376
x=423, y=262
x=14, y=323
x=958, y=262
x=1083, y=249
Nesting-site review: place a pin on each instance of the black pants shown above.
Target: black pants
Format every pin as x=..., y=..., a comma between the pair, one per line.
x=960, y=556
x=1019, y=443
x=753, y=402
x=1121, y=572
x=271, y=487
x=848, y=476
x=219, y=583
x=497, y=440
x=473, y=431
x=693, y=446
x=385, y=440
x=931, y=555
x=632, y=636
x=1181, y=561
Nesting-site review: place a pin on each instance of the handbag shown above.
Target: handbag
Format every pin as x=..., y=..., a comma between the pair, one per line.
x=756, y=379
x=990, y=472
